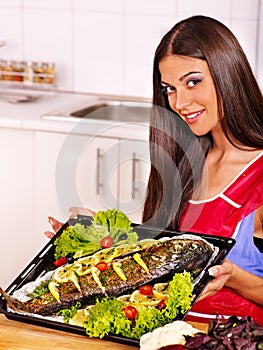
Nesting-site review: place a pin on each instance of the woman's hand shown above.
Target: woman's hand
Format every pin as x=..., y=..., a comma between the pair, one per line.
x=55, y=225
x=221, y=274
x=73, y=213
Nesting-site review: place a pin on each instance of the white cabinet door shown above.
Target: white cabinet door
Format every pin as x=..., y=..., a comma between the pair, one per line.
x=73, y=170
x=16, y=202
x=134, y=167
x=96, y=175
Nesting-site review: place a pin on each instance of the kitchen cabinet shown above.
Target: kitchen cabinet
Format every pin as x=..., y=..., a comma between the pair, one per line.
x=44, y=173
x=134, y=168
x=87, y=171
x=16, y=201
x=73, y=170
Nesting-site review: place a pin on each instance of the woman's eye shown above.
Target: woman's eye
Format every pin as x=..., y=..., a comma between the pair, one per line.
x=168, y=89
x=193, y=82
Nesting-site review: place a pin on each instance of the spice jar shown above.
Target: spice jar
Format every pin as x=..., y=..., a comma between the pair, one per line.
x=50, y=73
x=2, y=63
x=39, y=73
x=18, y=72
x=8, y=71
x=28, y=73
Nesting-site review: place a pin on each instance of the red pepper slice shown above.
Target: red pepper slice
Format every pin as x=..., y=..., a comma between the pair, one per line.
x=161, y=305
x=61, y=261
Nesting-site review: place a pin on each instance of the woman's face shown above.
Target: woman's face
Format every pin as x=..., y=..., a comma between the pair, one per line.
x=191, y=92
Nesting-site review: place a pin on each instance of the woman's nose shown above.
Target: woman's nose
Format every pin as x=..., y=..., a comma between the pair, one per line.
x=180, y=100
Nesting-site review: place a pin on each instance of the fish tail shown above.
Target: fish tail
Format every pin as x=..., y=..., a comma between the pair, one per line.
x=12, y=303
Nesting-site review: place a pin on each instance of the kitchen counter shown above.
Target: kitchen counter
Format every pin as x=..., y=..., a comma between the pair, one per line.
x=29, y=116
x=21, y=336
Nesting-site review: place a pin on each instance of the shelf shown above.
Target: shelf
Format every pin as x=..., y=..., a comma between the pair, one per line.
x=20, y=91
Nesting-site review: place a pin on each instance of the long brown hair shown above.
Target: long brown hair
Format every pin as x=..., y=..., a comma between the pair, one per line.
x=177, y=155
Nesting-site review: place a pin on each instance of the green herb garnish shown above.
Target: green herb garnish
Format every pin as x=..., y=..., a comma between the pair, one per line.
x=69, y=313
x=39, y=290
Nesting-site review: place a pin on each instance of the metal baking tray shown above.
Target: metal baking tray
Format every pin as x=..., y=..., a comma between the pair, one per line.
x=43, y=262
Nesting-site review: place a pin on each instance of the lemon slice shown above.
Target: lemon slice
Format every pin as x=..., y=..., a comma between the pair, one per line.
x=107, y=254
x=139, y=260
x=65, y=273
x=87, y=264
x=52, y=286
x=160, y=291
x=68, y=273
x=80, y=318
x=95, y=274
x=74, y=279
x=126, y=248
x=146, y=300
x=125, y=299
x=117, y=268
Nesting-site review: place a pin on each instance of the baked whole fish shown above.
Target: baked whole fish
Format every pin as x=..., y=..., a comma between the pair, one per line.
x=157, y=262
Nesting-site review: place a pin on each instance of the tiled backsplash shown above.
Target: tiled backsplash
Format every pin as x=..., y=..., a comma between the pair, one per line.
x=107, y=46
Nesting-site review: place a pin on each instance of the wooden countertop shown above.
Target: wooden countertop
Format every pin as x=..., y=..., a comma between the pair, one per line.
x=16, y=335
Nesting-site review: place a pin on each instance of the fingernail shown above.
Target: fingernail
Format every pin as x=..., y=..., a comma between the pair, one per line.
x=213, y=271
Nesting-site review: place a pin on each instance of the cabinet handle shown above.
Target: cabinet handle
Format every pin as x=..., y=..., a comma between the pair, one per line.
x=134, y=167
x=99, y=185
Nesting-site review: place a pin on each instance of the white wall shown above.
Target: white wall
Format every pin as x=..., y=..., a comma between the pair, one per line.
x=107, y=46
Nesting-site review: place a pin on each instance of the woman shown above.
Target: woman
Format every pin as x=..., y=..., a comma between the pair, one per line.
x=206, y=142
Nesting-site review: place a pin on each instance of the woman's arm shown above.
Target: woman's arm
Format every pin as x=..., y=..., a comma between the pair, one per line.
x=247, y=284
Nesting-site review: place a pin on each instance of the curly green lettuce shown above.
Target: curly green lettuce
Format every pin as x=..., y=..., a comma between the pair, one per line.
x=79, y=240
x=107, y=317
x=116, y=221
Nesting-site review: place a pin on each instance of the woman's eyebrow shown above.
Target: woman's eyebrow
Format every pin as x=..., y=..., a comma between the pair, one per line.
x=186, y=75
x=182, y=77
x=163, y=82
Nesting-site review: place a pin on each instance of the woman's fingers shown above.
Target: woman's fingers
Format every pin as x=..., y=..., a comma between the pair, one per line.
x=49, y=234
x=219, y=270
x=75, y=211
x=55, y=224
x=221, y=274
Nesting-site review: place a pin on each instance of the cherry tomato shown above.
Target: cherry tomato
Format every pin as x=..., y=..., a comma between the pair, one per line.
x=102, y=266
x=161, y=305
x=106, y=242
x=146, y=290
x=60, y=262
x=130, y=312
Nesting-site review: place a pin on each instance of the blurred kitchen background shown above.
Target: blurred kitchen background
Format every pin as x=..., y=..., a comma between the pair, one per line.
x=99, y=47
x=107, y=46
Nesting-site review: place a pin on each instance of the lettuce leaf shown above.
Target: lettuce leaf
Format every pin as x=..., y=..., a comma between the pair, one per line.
x=106, y=317
x=79, y=240
x=116, y=221
x=75, y=238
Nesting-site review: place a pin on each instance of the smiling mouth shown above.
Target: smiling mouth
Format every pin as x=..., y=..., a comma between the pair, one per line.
x=193, y=116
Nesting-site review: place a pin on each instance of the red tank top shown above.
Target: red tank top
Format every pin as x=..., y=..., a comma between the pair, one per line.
x=220, y=216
